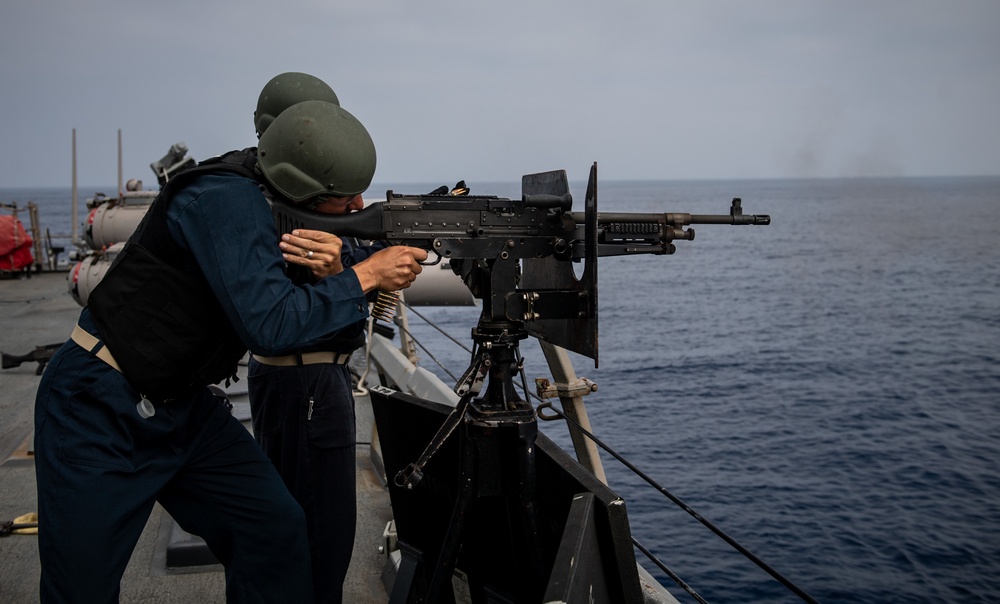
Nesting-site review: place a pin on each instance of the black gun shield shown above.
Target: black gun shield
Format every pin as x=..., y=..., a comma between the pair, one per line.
x=577, y=334
x=491, y=557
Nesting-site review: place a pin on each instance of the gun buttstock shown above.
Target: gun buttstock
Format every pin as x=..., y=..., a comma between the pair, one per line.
x=365, y=223
x=10, y=361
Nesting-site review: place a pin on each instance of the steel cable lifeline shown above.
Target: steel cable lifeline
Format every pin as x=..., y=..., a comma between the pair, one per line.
x=747, y=553
x=690, y=590
x=441, y=331
x=428, y=352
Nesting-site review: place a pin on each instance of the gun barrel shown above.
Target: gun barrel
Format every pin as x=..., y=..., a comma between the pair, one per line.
x=736, y=216
x=739, y=219
x=675, y=218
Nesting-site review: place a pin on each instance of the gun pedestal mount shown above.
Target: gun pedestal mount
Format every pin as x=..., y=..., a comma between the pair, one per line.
x=497, y=433
x=498, y=430
x=497, y=459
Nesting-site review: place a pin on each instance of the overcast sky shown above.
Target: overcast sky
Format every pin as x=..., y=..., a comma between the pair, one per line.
x=488, y=91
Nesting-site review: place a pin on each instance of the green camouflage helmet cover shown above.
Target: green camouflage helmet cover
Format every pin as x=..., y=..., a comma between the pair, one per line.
x=287, y=89
x=316, y=148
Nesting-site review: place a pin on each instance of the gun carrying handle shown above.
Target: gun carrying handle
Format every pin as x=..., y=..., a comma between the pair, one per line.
x=544, y=200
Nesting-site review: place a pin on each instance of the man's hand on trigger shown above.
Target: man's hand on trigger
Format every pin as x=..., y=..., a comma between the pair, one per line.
x=318, y=251
x=391, y=269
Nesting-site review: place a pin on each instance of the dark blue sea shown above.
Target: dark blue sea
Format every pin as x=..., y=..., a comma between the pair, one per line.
x=826, y=389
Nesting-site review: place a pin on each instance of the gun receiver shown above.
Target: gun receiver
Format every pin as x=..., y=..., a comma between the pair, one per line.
x=519, y=250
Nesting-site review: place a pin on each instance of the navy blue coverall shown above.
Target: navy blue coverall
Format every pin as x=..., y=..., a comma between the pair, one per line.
x=100, y=465
x=303, y=418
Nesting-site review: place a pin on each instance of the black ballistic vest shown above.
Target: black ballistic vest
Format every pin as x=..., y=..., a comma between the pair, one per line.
x=158, y=317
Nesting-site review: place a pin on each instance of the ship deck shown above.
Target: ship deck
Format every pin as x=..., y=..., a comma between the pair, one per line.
x=38, y=311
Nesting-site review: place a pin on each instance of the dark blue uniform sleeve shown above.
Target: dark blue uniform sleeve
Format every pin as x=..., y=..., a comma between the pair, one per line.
x=227, y=225
x=361, y=253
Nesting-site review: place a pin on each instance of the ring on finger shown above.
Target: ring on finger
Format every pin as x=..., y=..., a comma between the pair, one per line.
x=309, y=254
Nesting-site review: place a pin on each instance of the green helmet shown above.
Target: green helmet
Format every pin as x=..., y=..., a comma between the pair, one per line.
x=287, y=89
x=316, y=148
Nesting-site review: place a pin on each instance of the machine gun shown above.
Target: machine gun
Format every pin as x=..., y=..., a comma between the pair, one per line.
x=515, y=254
x=517, y=257
x=40, y=355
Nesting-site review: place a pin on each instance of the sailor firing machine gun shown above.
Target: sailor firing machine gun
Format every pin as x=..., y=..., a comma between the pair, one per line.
x=516, y=255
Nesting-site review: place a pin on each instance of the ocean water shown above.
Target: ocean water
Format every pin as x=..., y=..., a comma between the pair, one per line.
x=826, y=389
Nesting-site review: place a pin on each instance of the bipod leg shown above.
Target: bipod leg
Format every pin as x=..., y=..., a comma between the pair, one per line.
x=469, y=386
x=409, y=476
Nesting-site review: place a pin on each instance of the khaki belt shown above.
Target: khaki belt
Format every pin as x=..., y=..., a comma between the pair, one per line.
x=88, y=342
x=306, y=358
